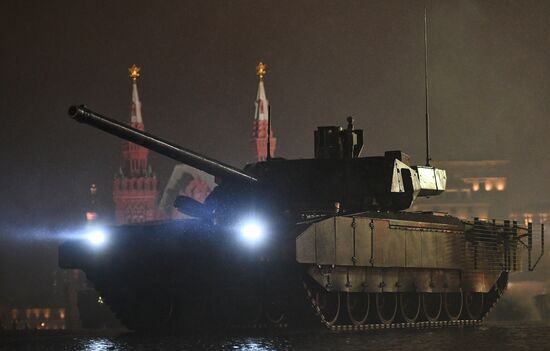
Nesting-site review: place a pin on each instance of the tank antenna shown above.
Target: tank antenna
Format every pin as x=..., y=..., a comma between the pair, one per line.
x=268, y=158
x=428, y=159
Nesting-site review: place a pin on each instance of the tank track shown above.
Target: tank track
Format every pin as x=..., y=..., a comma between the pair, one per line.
x=490, y=297
x=302, y=311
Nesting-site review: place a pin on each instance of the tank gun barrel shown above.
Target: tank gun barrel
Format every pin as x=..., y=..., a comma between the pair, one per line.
x=84, y=115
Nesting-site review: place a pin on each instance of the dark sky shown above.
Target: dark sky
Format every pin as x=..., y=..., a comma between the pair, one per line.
x=489, y=80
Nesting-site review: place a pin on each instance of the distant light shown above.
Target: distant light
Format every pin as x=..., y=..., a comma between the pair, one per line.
x=97, y=237
x=100, y=300
x=42, y=324
x=252, y=231
x=91, y=216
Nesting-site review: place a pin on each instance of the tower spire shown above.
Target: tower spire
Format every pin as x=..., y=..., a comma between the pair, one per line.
x=261, y=99
x=260, y=70
x=135, y=114
x=135, y=189
x=261, y=128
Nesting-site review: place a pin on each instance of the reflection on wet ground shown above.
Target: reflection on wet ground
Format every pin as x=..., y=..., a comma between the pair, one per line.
x=496, y=336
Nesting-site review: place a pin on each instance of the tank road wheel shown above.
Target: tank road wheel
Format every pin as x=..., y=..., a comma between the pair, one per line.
x=329, y=305
x=232, y=308
x=358, y=306
x=409, y=306
x=454, y=303
x=249, y=309
x=431, y=306
x=474, y=303
x=386, y=307
x=274, y=312
x=222, y=307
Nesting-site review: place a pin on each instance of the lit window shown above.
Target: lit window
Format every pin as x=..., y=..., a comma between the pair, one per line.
x=488, y=185
x=91, y=216
x=475, y=186
x=528, y=218
x=501, y=184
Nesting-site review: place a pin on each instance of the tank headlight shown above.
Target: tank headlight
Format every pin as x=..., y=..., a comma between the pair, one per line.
x=252, y=231
x=97, y=237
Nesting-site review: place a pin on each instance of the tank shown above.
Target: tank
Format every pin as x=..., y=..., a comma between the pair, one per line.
x=282, y=243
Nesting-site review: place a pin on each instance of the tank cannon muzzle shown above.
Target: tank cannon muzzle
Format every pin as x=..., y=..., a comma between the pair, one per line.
x=84, y=115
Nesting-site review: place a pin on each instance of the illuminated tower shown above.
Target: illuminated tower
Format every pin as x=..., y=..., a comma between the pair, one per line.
x=91, y=214
x=260, y=126
x=135, y=190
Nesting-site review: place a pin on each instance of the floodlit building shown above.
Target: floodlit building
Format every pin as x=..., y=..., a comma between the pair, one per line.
x=136, y=190
x=45, y=318
x=474, y=189
x=261, y=127
x=135, y=187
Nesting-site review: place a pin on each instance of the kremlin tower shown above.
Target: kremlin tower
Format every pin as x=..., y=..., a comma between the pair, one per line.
x=261, y=122
x=91, y=214
x=135, y=188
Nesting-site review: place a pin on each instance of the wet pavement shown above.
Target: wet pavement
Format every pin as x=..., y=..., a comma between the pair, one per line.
x=492, y=336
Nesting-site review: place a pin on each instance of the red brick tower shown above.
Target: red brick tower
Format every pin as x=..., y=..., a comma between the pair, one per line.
x=260, y=126
x=135, y=188
x=91, y=214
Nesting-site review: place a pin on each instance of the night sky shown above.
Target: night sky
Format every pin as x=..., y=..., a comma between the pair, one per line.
x=489, y=80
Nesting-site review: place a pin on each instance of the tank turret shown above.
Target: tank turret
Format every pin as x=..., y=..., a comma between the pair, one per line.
x=337, y=174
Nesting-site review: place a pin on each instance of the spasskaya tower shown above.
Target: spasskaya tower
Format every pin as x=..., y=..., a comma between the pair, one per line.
x=135, y=187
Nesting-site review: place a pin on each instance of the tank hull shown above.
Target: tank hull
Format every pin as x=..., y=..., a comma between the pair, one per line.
x=409, y=252
x=193, y=276
x=190, y=275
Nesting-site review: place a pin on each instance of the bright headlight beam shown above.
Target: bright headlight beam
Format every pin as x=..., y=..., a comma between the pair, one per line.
x=97, y=237
x=252, y=231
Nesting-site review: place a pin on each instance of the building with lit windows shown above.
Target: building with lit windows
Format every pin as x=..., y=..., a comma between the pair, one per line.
x=45, y=318
x=474, y=189
x=535, y=213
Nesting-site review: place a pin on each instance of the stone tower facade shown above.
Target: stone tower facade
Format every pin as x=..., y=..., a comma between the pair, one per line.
x=261, y=121
x=135, y=187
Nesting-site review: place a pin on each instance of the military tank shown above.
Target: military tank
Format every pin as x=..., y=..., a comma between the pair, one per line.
x=282, y=243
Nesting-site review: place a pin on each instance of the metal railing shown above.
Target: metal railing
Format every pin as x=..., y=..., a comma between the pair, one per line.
x=501, y=245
